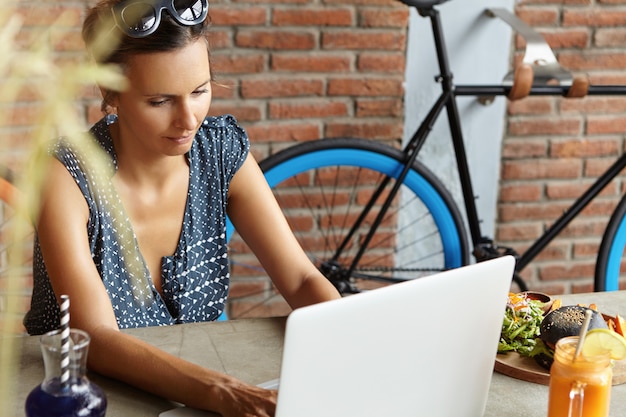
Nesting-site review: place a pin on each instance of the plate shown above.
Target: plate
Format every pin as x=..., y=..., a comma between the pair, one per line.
x=526, y=369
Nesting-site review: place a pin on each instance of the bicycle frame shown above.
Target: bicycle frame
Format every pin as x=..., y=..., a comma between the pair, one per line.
x=483, y=247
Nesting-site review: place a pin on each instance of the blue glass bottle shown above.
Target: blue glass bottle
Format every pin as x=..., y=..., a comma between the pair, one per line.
x=78, y=396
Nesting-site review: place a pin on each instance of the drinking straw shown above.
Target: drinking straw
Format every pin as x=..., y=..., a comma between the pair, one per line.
x=65, y=342
x=583, y=333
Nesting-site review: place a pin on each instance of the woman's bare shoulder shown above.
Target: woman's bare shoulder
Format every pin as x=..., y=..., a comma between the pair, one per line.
x=59, y=191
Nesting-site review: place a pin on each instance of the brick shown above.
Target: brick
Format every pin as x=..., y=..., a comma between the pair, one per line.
x=570, y=191
x=564, y=2
x=275, y=40
x=594, y=17
x=599, y=207
x=363, y=40
x=531, y=211
x=518, y=232
x=367, y=130
x=395, y=18
x=538, y=16
x=561, y=39
x=583, y=148
x=511, y=193
x=220, y=39
x=309, y=16
x=284, y=132
x=384, y=3
x=595, y=167
x=238, y=63
x=556, y=250
x=223, y=88
x=582, y=227
x=608, y=78
x=365, y=87
x=47, y=16
x=531, y=105
x=610, y=37
x=594, y=104
x=524, y=148
x=590, y=61
x=606, y=124
x=238, y=16
x=582, y=287
x=536, y=169
x=248, y=113
x=382, y=62
x=545, y=126
x=379, y=108
x=551, y=288
x=281, y=88
x=567, y=271
x=320, y=62
x=299, y=110
x=586, y=249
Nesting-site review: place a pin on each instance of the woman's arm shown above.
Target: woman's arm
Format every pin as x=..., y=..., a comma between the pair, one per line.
x=64, y=243
x=258, y=219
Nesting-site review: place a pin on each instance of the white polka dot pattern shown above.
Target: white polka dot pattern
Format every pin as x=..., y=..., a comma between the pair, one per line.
x=195, y=278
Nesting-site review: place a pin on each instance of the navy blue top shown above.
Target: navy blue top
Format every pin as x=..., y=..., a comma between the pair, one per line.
x=195, y=278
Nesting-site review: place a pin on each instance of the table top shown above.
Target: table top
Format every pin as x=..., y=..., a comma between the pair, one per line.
x=251, y=350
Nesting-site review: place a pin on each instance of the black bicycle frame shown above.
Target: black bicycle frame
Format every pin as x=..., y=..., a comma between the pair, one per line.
x=447, y=100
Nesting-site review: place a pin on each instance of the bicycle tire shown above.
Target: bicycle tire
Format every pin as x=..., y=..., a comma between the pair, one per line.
x=611, y=252
x=352, y=158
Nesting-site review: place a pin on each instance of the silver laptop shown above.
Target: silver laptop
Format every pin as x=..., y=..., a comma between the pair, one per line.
x=421, y=348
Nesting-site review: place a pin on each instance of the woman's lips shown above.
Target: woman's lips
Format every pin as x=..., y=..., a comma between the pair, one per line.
x=180, y=139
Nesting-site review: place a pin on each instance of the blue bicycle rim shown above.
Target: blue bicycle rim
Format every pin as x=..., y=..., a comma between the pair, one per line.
x=614, y=260
x=449, y=233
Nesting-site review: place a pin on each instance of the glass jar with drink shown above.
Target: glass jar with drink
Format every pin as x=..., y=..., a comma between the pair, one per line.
x=580, y=385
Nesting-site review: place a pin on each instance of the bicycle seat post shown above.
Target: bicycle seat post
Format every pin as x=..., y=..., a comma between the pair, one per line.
x=445, y=74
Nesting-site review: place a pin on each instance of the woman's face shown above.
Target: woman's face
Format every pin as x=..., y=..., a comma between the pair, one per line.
x=168, y=97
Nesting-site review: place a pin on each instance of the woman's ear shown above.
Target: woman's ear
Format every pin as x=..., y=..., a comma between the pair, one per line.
x=109, y=100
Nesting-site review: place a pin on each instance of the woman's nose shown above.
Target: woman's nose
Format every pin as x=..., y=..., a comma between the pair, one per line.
x=185, y=117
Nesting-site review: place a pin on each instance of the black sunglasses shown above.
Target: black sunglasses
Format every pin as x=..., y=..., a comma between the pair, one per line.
x=140, y=18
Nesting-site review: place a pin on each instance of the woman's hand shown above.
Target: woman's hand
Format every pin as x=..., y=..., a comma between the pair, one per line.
x=243, y=400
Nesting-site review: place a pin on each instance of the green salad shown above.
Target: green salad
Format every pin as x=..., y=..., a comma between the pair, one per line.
x=520, y=326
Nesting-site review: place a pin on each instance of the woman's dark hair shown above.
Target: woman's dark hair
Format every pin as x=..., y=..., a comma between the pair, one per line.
x=119, y=47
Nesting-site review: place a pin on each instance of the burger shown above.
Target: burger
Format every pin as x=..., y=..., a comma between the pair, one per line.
x=559, y=323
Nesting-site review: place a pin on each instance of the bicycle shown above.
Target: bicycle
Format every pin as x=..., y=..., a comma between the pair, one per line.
x=358, y=234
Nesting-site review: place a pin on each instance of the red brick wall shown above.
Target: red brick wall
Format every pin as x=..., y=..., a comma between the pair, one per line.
x=555, y=147
x=301, y=70
x=297, y=70
x=289, y=71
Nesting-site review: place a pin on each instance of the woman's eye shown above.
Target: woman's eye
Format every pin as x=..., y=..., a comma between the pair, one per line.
x=157, y=103
x=200, y=92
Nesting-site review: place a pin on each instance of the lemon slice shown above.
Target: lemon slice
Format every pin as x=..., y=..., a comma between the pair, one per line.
x=600, y=341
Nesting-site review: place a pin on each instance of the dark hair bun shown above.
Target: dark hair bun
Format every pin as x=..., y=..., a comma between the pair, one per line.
x=567, y=321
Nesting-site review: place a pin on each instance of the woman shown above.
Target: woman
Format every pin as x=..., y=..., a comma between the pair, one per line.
x=144, y=244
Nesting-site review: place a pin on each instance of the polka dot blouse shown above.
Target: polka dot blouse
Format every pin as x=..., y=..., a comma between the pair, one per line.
x=195, y=278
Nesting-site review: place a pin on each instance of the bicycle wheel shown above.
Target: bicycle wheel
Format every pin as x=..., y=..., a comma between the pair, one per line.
x=609, y=263
x=322, y=187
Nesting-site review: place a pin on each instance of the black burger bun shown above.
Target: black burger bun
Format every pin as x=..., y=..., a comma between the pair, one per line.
x=567, y=321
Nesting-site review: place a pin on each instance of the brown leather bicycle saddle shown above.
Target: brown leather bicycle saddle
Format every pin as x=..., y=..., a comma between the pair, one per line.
x=422, y=4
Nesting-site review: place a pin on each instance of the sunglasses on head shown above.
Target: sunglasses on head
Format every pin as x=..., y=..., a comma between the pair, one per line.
x=140, y=18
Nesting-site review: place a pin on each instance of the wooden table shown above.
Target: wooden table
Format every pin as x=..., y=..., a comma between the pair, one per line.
x=251, y=350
